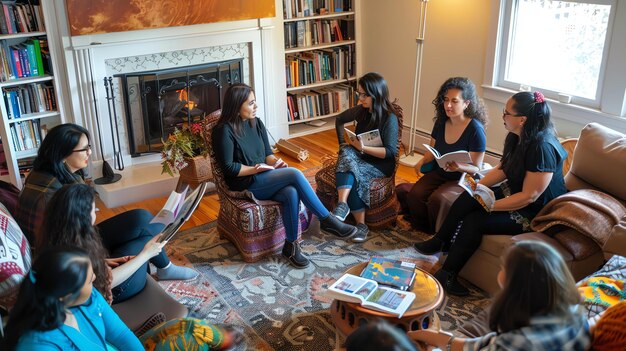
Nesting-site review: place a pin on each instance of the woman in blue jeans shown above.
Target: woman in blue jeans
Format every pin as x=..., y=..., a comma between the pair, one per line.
x=243, y=151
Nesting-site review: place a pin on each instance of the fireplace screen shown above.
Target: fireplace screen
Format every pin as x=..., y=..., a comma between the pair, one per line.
x=156, y=102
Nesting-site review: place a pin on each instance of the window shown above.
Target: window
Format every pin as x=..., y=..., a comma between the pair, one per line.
x=556, y=47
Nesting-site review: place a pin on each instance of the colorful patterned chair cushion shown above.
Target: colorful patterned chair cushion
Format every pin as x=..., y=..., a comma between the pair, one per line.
x=384, y=205
x=254, y=226
x=15, y=257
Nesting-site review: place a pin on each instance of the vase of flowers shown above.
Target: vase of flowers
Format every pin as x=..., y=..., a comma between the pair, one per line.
x=185, y=152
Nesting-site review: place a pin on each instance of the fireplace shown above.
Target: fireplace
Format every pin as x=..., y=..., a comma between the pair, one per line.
x=158, y=101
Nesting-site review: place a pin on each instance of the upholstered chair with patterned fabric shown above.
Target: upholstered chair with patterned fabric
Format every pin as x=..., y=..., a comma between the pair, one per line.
x=254, y=226
x=384, y=205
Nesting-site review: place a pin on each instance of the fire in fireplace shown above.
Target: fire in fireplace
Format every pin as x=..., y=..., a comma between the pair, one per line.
x=156, y=102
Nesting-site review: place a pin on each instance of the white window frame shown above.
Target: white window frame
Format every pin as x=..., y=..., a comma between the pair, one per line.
x=609, y=107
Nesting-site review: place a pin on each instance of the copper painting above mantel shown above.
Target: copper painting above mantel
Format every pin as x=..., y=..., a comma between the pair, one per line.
x=105, y=16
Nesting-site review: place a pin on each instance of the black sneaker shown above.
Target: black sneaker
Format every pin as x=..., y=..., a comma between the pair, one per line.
x=450, y=283
x=361, y=233
x=341, y=211
x=430, y=246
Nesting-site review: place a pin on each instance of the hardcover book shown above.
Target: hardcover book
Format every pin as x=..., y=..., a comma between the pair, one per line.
x=394, y=273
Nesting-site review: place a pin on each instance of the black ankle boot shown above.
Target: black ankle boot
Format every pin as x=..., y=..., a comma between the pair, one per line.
x=292, y=251
x=450, y=283
x=334, y=226
x=430, y=246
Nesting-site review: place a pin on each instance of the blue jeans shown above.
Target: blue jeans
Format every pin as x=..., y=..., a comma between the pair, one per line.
x=125, y=235
x=288, y=186
x=347, y=180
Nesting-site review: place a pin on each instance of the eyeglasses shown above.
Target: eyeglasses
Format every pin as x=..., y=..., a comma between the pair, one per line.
x=360, y=95
x=87, y=149
x=504, y=113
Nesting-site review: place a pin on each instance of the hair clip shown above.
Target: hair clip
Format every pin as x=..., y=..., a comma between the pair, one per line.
x=539, y=98
x=31, y=276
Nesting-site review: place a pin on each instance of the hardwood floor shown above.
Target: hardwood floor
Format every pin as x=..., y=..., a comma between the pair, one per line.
x=318, y=145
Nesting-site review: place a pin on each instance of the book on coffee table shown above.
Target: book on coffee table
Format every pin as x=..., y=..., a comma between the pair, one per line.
x=394, y=273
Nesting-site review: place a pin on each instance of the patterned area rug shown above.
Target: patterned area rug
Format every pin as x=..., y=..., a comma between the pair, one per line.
x=281, y=308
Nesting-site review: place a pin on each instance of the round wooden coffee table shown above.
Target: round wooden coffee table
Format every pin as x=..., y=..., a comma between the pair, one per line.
x=348, y=316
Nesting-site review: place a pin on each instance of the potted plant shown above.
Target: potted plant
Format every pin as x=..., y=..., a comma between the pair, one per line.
x=185, y=151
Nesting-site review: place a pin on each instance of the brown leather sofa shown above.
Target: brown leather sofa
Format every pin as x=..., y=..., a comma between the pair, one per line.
x=599, y=163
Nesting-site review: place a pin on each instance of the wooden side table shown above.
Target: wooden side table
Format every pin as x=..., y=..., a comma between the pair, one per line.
x=348, y=316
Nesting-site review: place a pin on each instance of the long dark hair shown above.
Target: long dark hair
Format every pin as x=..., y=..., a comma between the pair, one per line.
x=67, y=221
x=58, y=272
x=475, y=109
x=58, y=144
x=537, y=126
x=537, y=283
x=375, y=86
x=379, y=335
x=235, y=97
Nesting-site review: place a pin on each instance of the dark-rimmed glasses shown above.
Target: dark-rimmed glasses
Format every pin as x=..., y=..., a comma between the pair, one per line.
x=88, y=148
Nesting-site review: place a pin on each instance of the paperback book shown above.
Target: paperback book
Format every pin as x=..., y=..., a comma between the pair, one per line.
x=460, y=156
x=481, y=193
x=371, y=138
x=369, y=294
x=394, y=273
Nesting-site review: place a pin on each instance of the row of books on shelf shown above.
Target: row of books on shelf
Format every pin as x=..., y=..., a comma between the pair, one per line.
x=305, y=8
x=28, y=59
x=21, y=17
x=29, y=98
x=319, y=102
x=27, y=134
x=306, y=33
x=316, y=66
x=383, y=285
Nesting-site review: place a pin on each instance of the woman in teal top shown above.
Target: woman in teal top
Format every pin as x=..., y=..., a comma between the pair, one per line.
x=58, y=309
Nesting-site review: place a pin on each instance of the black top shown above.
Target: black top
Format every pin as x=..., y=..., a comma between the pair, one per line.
x=388, y=133
x=231, y=151
x=472, y=139
x=547, y=155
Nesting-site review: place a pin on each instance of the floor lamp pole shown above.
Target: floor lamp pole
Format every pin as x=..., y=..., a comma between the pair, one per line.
x=411, y=159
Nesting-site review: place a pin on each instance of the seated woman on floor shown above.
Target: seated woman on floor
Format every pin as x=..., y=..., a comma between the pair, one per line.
x=64, y=152
x=538, y=307
x=244, y=153
x=532, y=164
x=460, y=119
x=359, y=164
x=58, y=309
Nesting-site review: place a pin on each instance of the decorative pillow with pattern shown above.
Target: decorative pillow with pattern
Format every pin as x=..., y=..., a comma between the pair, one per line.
x=15, y=257
x=605, y=287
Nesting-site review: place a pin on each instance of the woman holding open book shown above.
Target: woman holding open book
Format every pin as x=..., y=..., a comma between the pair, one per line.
x=63, y=154
x=369, y=153
x=460, y=119
x=245, y=156
x=532, y=164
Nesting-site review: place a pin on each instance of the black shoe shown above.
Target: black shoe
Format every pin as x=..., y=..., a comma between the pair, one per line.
x=361, y=233
x=341, y=211
x=334, y=226
x=293, y=252
x=450, y=283
x=430, y=246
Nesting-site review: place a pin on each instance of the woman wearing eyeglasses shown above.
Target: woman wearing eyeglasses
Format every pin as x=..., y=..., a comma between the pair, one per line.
x=357, y=163
x=532, y=165
x=460, y=119
x=64, y=152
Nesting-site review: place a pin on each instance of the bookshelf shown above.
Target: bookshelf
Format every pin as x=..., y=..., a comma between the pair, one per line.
x=320, y=48
x=30, y=101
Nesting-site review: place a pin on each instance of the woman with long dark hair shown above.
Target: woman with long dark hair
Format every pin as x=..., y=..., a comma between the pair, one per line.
x=58, y=309
x=460, y=118
x=64, y=152
x=243, y=151
x=538, y=307
x=359, y=164
x=69, y=220
x=532, y=164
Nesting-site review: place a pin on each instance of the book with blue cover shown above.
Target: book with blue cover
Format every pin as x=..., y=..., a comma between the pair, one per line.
x=394, y=273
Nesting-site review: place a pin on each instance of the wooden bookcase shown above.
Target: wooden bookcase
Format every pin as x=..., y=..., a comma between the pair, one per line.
x=320, y=62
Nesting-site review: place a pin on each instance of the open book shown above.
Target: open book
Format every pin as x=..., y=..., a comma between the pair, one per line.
x=460, y=156
x=370, y=295
x=371, y=138
x=175, y=216
x=393, y=273
x=481, y=193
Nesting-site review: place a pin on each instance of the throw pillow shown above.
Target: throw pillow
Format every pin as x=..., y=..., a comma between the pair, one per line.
x=15, y=257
